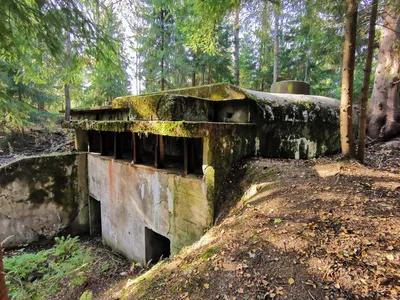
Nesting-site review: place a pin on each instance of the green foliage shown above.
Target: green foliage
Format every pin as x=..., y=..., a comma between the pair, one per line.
x=38, y=275
x=33, y=64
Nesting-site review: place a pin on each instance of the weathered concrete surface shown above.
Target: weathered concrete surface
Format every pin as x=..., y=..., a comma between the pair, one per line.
x=43, y=196
x=297, y=126
x=291, y=87
x=135, y=197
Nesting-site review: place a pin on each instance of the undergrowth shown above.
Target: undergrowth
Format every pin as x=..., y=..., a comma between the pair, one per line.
x=40, y=275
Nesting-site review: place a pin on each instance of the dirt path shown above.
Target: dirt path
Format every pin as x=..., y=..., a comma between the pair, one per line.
x=322, y=229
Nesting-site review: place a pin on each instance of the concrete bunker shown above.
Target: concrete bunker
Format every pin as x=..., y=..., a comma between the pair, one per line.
x=154, y=165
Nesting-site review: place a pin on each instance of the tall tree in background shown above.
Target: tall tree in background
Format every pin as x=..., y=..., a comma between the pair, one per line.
x=105, y=65
x=276, y=40
x=384, y=115
x=346, y=129
x=365, y=88
x=236, y=26
x=67, y=84
x=33, y=57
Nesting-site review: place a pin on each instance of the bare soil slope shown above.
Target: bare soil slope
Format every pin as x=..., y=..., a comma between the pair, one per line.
x=322, y=229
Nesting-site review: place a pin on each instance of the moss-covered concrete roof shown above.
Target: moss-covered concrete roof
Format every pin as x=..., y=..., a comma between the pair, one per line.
x=213, y=92
x=278, y=99
x=167, y=128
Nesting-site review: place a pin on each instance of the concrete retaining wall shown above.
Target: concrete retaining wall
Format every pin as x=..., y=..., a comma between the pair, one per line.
x=43, y=196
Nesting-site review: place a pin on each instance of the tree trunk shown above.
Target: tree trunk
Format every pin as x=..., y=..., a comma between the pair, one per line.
x=66, y=85
x=346, y=129
x=162, y=51
x=236, y=42
x=3, y=289
x=276, y=43
x=194, y=70
x=383, y=114
x=365, y=88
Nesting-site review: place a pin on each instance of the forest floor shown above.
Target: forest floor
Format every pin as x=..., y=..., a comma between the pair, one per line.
x=34, y=140
x=317, y=229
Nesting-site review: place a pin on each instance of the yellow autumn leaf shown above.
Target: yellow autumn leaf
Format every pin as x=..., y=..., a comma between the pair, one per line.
x=206, y=286
x=291, y=281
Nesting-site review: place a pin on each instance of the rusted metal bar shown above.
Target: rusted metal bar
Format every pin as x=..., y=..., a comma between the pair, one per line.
x=162, y=152
x=137, y=149
x=159, y=152
x=117, y=145
x=103, y=143
x=188, y=156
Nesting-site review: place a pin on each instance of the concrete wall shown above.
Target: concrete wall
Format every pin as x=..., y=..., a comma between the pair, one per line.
x=135, y=197
x=43, y=196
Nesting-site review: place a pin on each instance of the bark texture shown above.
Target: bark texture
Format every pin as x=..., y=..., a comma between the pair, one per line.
x=346, y=126
x=162, y=18
x=3, y=289
x=66, y=86
x=276, y=43
x=383, y=113
x=365, y=88
x=236, y=42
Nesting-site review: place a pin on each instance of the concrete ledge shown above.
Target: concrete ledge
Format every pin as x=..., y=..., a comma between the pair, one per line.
x=167, y=128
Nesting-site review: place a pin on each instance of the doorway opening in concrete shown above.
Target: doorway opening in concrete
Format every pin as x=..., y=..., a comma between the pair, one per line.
x=94, y=216
x=156, y=245
x=94, y=141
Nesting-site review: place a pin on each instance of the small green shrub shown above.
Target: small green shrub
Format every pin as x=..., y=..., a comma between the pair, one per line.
x=38, y=275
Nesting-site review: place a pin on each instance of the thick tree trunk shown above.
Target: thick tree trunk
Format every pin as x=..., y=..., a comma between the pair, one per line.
x=383, y=114
x=66, y=86
x=276, y=44
x=365, y=88
x=236, y=42
x=346, y=129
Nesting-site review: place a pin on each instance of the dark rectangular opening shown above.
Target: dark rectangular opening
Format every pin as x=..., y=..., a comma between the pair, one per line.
x=193, y=152
x=147, y=148
x=94, y=216
x=107, y=143
x=182, y=155
x=173, y=153
x=126, y=145
x=94, y=141
x=156, y=246
x=197, y=155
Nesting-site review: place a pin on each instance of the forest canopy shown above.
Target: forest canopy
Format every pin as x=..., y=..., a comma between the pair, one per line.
x=57, y=53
